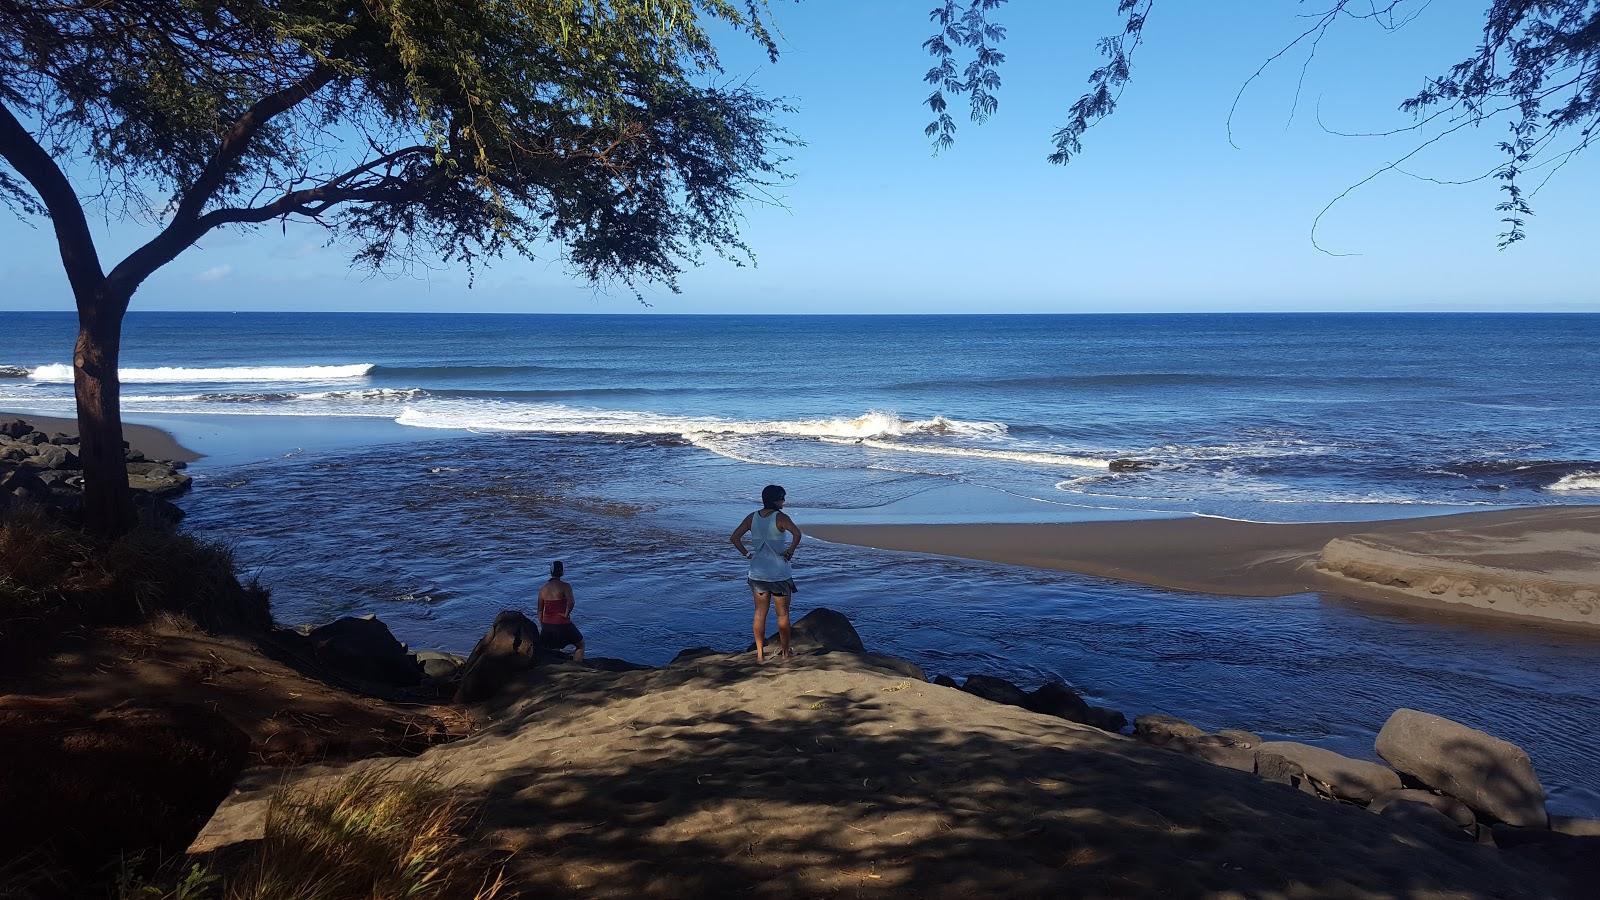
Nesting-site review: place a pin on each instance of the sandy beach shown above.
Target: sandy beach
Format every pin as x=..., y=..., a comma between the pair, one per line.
x=154, y=443
x=1516, y=559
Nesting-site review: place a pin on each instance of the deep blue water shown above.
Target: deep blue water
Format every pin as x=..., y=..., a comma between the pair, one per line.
x=432, y=474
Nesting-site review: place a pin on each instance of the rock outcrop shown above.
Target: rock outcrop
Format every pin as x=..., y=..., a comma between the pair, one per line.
x=362, y=648
x=40, y=469
x=511, y=646
x=1492, y=776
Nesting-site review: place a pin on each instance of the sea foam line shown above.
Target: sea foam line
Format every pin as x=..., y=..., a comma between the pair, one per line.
x=61, y=372
x=1577, y=481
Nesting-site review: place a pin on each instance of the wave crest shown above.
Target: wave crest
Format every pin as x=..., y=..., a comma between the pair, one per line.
x=1578, y=481
x=62, y=372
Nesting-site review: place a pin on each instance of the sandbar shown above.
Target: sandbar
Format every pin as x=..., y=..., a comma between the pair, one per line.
x=1539, y=562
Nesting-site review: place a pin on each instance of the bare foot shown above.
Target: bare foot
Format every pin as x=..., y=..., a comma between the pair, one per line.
x=761, y=655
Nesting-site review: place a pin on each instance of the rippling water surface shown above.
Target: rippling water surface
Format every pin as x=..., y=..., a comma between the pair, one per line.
x=628, y=446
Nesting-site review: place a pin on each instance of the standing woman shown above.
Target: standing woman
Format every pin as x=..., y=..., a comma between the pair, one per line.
x=771, y=579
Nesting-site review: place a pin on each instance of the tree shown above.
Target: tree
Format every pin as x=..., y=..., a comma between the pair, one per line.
x=1538, y=65
x=409, y=129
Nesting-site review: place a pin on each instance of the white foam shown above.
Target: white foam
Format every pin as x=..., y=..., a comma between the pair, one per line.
x=1577, y=481
x=358, y=396
x=1032, y=457
x=61, y=372
x=558, y=418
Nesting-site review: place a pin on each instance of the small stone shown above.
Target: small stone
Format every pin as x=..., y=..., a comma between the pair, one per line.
x=439, y=665
x=1158, y=728
x=1452, y=808
x=64, y=440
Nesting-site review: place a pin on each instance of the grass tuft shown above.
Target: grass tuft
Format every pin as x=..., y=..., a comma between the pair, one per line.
x=57, y=580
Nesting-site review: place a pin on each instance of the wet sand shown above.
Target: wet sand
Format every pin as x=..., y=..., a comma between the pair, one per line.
x=154, y=443
x=1542, y=562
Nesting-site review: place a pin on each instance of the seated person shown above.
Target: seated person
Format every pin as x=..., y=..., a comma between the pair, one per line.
x=556, y=630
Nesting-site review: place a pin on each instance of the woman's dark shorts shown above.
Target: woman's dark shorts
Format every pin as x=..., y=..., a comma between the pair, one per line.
x=784, y=588
x=557, y=636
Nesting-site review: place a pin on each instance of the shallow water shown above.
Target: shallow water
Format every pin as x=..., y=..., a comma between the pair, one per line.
x=436, y=536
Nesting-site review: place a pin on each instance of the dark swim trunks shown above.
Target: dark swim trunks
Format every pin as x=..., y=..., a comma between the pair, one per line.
x=784, y=588
x=557, y=636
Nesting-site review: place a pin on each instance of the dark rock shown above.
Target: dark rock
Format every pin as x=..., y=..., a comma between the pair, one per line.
x=49, y=456
x=133, y=456
x=1131, y=465
x=15, y=428
x=156, y=478
x=64, y=440
x=946, y=681
x=1423, y=816
x=610, y=664
x=691, y=653
x=33, y=437
x=24, y=484
x=1340, y=776
x=1492, y=776
x=97, y=786
x=363, y=648
x=1158, y=728
x=821, y=627
x=1106, y=719
x=13, y=372
x=1450, y=807
x=511, y=646
x=12, y=453
x=1054, y=698
x=997, y=690
x=439, y=665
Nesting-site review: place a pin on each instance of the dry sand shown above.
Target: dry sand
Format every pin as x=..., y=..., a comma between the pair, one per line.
x=829, y=777
x=152, y=442
x=1540, y=562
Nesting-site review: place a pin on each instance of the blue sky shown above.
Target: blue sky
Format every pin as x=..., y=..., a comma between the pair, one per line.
x=1158, y=214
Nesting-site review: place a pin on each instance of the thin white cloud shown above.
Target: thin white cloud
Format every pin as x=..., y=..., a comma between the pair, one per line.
x=215, y=273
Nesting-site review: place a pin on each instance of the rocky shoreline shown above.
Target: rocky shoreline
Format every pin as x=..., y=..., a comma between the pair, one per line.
x=1441, y=777
x=44, y=469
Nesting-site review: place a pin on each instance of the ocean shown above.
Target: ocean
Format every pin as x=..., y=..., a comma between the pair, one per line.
x=428, y=468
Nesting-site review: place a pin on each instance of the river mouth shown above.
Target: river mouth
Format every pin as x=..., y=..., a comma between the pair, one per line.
x=436, y=536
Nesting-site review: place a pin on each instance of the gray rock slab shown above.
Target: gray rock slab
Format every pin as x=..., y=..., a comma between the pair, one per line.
x=1492, y=776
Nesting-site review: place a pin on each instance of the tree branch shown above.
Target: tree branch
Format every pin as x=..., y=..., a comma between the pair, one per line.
x=185, y=227
x=239, y=136
x=33, y=163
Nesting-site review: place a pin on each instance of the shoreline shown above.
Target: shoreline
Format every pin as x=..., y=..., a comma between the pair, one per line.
x=1506, y=563
x=153, y=442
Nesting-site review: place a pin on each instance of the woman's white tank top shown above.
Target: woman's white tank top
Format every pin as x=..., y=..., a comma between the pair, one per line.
x=766, y=556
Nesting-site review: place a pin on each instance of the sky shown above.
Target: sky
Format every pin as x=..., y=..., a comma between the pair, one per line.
x=1159, y=214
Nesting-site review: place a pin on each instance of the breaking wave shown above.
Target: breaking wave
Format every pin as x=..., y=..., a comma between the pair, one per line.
x=1578, y=481
x=61, y=372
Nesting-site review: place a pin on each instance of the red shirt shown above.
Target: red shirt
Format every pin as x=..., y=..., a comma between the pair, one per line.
x=553, y=608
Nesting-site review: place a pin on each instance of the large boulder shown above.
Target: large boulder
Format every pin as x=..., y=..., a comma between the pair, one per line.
x=97, y=786
x=1335, y=774
x=1492, y=776
x=1106, y=719
x=15, y=428
x=364, y=649
x=826, y=628
x=511, y=646
x=998, y=690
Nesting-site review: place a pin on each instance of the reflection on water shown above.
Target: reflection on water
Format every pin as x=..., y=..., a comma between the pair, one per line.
x=436, y=537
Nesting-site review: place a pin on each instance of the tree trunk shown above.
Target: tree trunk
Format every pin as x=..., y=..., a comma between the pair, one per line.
x=107, y=504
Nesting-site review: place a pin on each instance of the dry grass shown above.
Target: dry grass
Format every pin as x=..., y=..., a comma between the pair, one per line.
x=57, y=580
x=367, y=837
